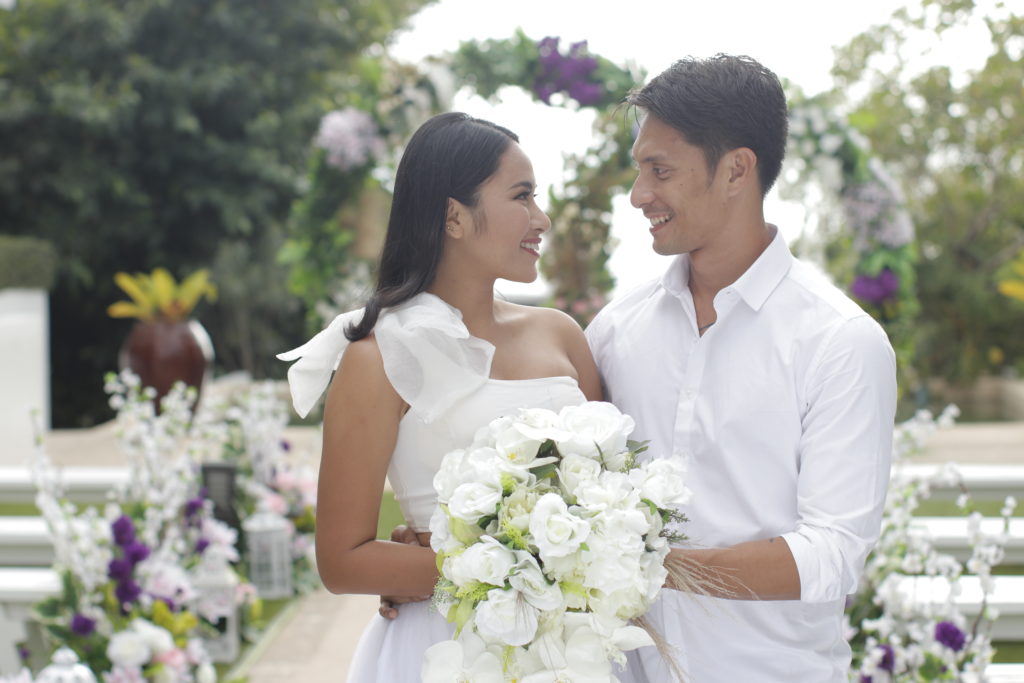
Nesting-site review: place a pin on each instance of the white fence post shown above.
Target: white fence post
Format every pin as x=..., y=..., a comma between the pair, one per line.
x=24, y=370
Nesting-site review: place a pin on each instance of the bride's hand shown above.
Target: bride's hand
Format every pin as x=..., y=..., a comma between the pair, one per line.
x=389, y=603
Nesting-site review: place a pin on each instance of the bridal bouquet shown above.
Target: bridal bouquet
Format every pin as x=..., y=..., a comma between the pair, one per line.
x=550, y=539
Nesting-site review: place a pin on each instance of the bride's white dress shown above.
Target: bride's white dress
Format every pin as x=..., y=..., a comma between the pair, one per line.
x=443, y=373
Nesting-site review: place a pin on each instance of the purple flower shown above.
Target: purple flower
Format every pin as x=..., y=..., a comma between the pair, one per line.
x=127, y=591
x=202, y=544
x=888, y=662
x=120, y=569
x=876, y=289
x=136, y=552
x=82, y=625
x=286, y=445
x=124, y=530
x=544, y=93
x=948, y=634
x=24, y=653
x=193, y=506
x=566, y=73
x=585, y=93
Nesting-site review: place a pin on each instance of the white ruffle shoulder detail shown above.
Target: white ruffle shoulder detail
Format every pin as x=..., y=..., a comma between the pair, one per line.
x=429, y=356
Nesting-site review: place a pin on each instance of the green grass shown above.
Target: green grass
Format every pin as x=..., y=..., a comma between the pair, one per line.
x=18, y=510
x=948, y=508
x=1008, y=653
x=390, y=515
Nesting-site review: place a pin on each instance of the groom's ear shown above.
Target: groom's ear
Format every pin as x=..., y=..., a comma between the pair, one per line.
x=455, y=220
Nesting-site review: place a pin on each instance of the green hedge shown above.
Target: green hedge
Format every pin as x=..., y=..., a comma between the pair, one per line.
x=27, y=263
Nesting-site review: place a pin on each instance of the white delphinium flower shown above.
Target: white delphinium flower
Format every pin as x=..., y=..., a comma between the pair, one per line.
x=223, y=539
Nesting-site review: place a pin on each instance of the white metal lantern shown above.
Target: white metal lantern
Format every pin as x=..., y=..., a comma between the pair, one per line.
x=215, y=583
x=65, y=668
x=268, y=541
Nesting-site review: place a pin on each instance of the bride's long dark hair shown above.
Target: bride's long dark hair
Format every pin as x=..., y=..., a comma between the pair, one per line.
x=451, y=155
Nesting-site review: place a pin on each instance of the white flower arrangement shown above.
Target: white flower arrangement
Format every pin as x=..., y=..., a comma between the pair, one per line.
x=894, y=637
x=551, y=539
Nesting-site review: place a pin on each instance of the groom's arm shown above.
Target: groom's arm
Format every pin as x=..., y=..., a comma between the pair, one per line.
x=755, y=570
x=843, y=458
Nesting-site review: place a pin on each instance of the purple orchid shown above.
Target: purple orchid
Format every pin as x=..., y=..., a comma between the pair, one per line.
x=876, y=289
x=82, y=625
x=124, y=530
x=947, y=633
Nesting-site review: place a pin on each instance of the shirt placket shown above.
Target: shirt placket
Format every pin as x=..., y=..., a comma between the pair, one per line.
x=685, y=437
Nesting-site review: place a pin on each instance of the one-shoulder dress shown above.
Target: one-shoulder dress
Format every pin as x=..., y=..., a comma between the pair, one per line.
x=443, y=374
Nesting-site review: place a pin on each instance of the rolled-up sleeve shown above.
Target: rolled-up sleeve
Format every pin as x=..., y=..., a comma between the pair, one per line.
x=844, y=459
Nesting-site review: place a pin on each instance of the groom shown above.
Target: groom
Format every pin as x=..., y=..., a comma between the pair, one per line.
x=775, y=389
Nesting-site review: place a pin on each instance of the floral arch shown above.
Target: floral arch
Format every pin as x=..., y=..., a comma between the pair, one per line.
x=870, y=238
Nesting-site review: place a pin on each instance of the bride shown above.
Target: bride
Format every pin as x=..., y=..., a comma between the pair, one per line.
x=431, y=358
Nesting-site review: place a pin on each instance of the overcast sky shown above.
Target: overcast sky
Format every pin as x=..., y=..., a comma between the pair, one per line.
x=794, y=38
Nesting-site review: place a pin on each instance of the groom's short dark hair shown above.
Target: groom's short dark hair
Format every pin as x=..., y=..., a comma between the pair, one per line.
x=719, y=104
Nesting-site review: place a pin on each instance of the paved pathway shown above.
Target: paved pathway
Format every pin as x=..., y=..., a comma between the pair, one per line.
x=314, y=639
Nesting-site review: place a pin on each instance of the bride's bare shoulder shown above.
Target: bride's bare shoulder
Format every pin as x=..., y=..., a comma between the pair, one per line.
x=550, y=318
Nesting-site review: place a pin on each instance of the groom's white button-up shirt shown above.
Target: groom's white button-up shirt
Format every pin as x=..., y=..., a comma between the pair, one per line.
x=783, y=412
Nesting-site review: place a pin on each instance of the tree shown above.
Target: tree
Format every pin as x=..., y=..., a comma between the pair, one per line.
x=144, y=133
x=953, y=140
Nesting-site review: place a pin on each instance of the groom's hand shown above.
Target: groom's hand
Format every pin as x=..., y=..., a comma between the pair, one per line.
x=389, y=603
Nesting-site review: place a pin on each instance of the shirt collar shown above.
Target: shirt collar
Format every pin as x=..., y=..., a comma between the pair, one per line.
x=754, y=286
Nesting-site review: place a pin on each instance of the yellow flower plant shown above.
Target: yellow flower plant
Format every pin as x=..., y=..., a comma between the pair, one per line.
x=1013, y=287
x=158, y=296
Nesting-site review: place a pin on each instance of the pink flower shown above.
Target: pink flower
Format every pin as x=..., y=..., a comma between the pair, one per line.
x=174, y=659
x=276, y=503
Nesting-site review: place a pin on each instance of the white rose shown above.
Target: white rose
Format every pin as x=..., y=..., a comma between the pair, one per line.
x=128, y=649
x=555, y=530
x=608, y=571
x=487, y=561
x=441, y=538
x=541, y=424
x=157, y=638
x=528, y=579
x=575, y=470
x=597, y=429
x=612, y=490
x=663, y=482
x=623, y=604
x=449, y=475
x=473, y=500
x=653, y=567
x=506, y=617
x=566, y=568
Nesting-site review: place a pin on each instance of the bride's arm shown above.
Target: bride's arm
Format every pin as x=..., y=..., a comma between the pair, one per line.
x=361, y=417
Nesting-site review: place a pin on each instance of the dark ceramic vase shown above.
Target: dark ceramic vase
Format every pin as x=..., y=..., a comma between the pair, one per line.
x=162, y=353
